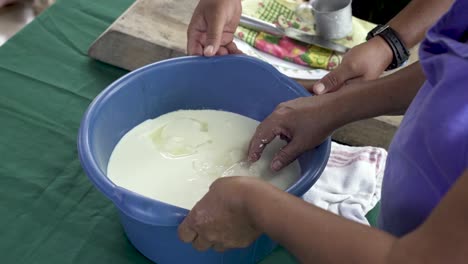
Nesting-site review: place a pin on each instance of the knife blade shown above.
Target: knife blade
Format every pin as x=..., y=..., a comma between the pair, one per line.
x=272, y=29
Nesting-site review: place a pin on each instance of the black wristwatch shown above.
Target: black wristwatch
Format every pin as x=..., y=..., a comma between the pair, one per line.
x=400, y=52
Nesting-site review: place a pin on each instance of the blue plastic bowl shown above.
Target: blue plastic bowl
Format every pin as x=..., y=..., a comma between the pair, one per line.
x=238, y=84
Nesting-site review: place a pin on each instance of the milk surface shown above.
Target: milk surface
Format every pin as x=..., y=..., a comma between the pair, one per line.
x=175, y=157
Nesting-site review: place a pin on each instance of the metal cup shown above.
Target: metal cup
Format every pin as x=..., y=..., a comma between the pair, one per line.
x=332, y=18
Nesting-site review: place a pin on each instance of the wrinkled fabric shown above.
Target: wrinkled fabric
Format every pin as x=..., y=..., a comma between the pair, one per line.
x=351, y=184
x=430, y=150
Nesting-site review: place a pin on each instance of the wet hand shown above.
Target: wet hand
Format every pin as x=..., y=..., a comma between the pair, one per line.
x=220, y=220
x=304, y=123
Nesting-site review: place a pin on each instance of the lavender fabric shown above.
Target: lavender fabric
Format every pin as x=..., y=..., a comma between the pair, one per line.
x=430, y=150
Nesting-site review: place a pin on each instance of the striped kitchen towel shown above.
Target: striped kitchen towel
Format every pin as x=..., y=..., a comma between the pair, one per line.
x=351, y=183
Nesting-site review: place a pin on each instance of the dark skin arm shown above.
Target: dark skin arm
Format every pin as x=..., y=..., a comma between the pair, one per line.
x=312, y=234
x=234, y=212
x=306, y=122
x=211, y=32
x=415, y=19
x=411, y=25
x=333, y=239
x=238, y=209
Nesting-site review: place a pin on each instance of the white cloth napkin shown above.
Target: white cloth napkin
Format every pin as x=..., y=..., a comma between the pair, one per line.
x=351, y=183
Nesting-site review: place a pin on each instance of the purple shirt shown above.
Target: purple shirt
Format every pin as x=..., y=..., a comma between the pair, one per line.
x=430, y=150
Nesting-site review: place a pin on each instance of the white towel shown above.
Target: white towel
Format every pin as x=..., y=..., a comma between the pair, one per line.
x=351, y=183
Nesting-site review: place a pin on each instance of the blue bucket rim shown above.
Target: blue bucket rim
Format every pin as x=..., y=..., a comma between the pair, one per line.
x=176, y=214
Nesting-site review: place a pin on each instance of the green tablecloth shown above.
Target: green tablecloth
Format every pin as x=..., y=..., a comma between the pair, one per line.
x=49, y=211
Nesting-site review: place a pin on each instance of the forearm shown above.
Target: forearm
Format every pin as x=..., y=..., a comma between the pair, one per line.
x=414, y=20
x=385, y=96
x=312, y=234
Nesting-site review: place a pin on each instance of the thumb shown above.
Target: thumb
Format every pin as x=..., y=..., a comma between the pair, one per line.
x=214, y=31
x=333, y=80
x=286, y=155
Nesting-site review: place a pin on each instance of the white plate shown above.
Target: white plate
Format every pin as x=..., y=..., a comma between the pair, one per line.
x=287, y=68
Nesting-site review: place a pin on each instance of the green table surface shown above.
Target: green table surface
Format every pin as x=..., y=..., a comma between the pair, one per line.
x=49, y=210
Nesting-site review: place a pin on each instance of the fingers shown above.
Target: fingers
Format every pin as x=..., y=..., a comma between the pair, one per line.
x=232, y=48
x=189, y=233
x=222, y=51
x=229, y=48
x=186, y=233
x=194, y=35
x=264, y=134
x=215, y=25
x=201, y=244
x=355, y=80
x=194, y=48
x=286, y=155
x=219, y=248
x=335, y=79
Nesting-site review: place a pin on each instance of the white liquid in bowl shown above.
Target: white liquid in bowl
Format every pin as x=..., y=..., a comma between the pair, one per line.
x=175, y=157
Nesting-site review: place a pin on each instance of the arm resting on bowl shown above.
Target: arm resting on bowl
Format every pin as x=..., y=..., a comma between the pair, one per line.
x=306, y=122
x=237, y=209
x=314, y=235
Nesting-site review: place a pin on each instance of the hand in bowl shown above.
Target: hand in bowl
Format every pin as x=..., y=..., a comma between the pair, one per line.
x=304, y=123
x=220, y=220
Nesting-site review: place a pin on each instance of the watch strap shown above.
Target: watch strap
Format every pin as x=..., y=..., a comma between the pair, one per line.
x=400, y=52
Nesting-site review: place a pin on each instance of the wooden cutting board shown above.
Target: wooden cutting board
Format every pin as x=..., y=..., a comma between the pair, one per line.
x=149, y=31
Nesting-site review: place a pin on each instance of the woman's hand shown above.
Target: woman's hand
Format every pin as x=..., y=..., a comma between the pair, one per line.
x=220, y=220
x=211, y=30
x=366, y=61
x=304, y=123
